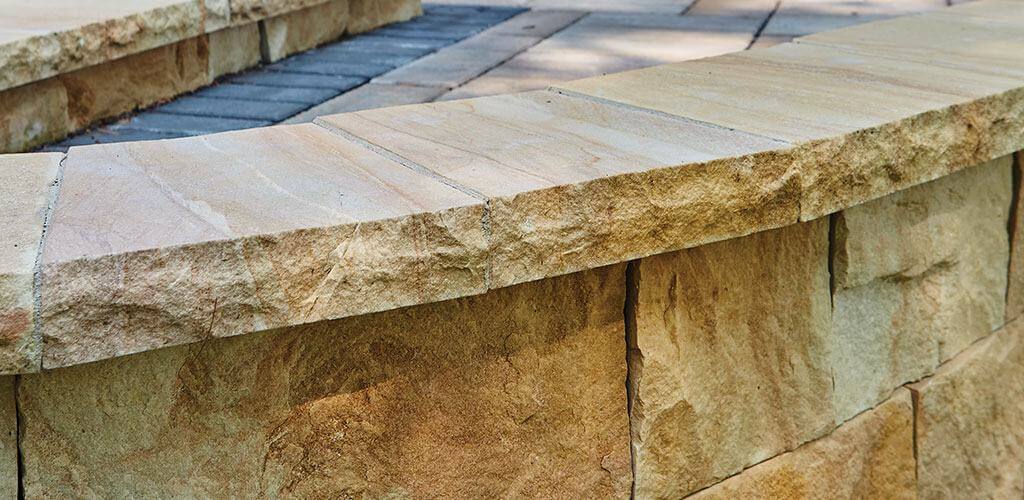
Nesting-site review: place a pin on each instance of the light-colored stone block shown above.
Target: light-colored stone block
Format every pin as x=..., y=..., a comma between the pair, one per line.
x=369, y=96
x=731, y=362
x=919, y=275
x=167, y=242
x=33, y=115
x=233, y=50
x=27, y=181
x=136, y=81
x=43, y=39
x=8, y=440
x=456, y=64
x=574, y=184
x=365, y=15
x=304, y=29
x=871, y=456
x=970, y=437
x=867, y=126
x=516, y=393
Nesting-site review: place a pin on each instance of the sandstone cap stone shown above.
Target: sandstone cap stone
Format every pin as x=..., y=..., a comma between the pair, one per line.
x=163, y=242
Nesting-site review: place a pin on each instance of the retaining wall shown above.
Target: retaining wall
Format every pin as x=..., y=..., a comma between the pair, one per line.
x=791, y=272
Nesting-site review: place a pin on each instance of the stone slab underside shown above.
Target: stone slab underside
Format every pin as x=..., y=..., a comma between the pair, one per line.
x=517, y=393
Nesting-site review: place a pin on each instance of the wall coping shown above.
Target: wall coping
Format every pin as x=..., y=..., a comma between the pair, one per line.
x=39, y=40
x=138, y=246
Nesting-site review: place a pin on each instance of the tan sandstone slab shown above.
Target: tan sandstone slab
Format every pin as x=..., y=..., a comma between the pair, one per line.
x=939, y=38
x=1015, y=284
x=43, y=39
x=32, y=115
x=573, y=184
x=731, y=357
x=248, y=11
x=304, y=29
x=871, y=456
x=919, y=275
x=27, y=181
x=8, y=439
x=970, y=441
x=514, y=394
x=364, y=15
x=165, y=242
x=233, y=49
x=863, y=133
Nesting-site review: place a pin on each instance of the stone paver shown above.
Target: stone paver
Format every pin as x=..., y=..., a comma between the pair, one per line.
x=371, y=95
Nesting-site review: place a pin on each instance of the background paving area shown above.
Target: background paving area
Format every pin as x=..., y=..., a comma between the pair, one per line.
x=461, y=49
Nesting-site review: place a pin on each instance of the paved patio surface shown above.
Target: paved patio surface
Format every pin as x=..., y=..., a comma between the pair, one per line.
x=455, y=52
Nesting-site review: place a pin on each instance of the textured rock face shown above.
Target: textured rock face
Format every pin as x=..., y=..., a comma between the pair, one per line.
x=91, y=33
x=364, y=15
x=233, y=49
x=26, y=180
x=969, y=421
x=247, y=11
x=871, y=456
x=918, y=276
x=8, y=440
x=33, y=114
x=135, y=81
x=515, y=393
x=304, y=29
x=731, y=360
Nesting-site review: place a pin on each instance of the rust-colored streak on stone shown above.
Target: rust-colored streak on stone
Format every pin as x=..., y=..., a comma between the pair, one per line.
x=516, y=393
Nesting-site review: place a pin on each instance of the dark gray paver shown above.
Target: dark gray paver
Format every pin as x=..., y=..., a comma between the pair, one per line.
x=168, y=123
x=377, y=42
x=308, y=96
x=232, y=108
x=297, y=80
x=391, y=59
x=329, y=68
x=104, y=135
x=450, y=35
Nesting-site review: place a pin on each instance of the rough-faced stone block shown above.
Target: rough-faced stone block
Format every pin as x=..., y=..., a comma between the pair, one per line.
x=233, y=49
x=515, y=393
x=279, y=226
x=918, y=276
x=731, y=357
x=871, y=456
x=1015, y=284
x=135, y=81
x=27, y=180
x=970, y=421
x=364, y=15
x=8, y=440
x=32, y=115
x=304, y=29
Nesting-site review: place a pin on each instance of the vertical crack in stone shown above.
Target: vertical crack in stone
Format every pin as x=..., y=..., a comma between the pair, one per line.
x=20, y=459
x=915, y=405
x=37, y=270
x=1011, y=222
x=634, y=362
x=261, y=25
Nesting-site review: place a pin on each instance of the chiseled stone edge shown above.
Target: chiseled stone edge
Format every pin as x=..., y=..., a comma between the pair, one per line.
x=38, y=57
x=189, y=293
x=990, y=127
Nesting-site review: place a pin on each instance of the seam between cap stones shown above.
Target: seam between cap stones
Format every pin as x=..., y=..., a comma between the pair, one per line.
x=37, y=271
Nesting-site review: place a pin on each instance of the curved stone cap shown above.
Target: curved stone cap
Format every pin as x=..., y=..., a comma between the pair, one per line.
x=45, y=38
x=158, y=243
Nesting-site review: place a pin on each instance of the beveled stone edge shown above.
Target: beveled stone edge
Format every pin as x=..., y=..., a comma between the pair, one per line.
x=207, y=20
x=1016, y=142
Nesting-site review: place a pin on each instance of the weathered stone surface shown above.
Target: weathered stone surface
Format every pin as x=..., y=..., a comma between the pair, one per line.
x=970, y=437
x=516, y=393
x=1015, y=284
x=280, y=226
x=249, y=11
x=369, y=96
x=27, y=181
x=574, y=184
x=233, y=49
x=44, y=39
x=918, y=275
x=32, y=115
x=731, y=362
x=304, y=29
x=871, y=456
x=863, y=130
x=364, y=15
x=8, y=440
x=135, y=81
